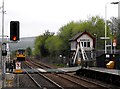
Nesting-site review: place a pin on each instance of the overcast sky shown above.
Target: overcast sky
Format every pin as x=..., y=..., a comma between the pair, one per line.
x=36, y=16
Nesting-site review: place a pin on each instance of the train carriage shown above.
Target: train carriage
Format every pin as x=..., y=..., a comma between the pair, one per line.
x=21, y=54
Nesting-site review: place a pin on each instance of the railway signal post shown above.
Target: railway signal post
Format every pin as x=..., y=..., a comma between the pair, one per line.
x=2, y=56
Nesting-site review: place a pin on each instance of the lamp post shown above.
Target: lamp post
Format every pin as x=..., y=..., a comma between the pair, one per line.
x=106, y=23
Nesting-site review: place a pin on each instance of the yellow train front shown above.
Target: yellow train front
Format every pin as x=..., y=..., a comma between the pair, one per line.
x=21, y=54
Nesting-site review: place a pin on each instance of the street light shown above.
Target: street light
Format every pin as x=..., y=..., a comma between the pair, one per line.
x=106, y=23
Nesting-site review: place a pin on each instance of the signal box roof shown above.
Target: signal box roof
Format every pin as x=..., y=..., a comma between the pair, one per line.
x=80, y=34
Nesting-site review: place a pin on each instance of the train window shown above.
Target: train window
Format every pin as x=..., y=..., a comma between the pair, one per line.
x=21, y=51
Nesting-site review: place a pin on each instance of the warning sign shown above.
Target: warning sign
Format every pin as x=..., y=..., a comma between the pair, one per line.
x=18, y=65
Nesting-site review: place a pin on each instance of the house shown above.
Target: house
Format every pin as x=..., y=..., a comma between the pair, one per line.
x=88, y=45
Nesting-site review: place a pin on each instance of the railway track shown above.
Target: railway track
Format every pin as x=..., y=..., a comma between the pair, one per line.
x=34, y=81
x=58, y=80
x=38, y=64
x=41, y=81
x=72, y=80
x=87, y=84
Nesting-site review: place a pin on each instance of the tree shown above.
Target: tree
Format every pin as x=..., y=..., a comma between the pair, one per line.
x=94, y=25
x=54, y=45
x=28, y=51
x=40, y=49
x=115, y=29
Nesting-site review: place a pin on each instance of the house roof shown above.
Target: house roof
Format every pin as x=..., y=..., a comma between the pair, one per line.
x=80, y=34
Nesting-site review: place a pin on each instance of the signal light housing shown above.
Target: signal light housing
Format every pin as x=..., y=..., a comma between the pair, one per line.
x=14, y=30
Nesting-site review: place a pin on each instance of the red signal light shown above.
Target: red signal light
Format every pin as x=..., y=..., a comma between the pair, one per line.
x=14, y=38
x=14, y=30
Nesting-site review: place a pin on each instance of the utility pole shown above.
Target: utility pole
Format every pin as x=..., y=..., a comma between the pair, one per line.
x=3, y=57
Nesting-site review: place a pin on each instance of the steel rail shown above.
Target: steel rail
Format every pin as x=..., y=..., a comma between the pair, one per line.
x=48, y=79
x=39, y=64
x=84, y=80
x=84, y=87
x=89, y=81
x=38, y=85
x=51, y=81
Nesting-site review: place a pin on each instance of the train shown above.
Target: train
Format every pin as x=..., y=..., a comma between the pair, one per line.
x=21, y=54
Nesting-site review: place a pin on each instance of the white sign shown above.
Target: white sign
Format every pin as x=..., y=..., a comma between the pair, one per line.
x=105, y=38
x=18, y=65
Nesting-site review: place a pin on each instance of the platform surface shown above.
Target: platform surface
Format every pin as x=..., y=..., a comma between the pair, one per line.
x=104, y=70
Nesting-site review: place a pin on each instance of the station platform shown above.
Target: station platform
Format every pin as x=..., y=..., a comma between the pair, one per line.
x=111, y=76
x=8, y=79
x=104, y=70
